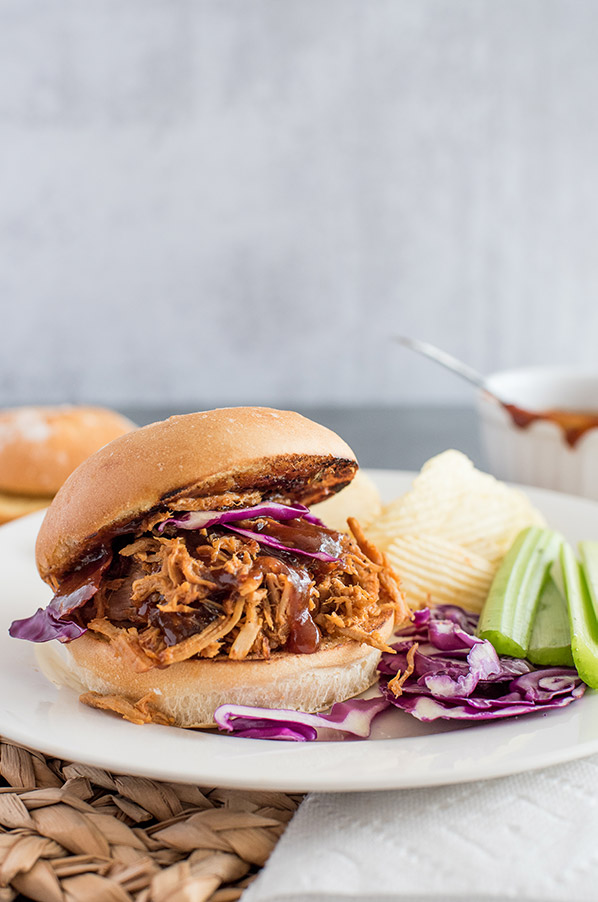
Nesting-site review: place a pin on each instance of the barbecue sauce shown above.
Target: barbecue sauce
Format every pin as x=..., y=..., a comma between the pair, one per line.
x=81, y=585
x=304, y=635
x=181, y=625
x=300, y=534
x=574, y=424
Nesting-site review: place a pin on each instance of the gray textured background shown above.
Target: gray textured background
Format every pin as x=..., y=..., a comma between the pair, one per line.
x=240, y=200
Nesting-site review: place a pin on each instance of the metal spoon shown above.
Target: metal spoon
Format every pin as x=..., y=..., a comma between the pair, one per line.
x=446, y=360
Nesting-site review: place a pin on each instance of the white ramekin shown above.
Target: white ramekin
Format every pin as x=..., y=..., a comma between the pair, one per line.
x=538, y=454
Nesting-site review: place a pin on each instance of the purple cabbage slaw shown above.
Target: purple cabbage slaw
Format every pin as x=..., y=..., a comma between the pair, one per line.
x=272, y=542
x=281, y=512
x=52, y=622
x=459, y=676
x=203, y=519
x=353, y=717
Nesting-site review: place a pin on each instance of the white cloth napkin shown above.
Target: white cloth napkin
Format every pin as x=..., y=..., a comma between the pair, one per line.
x=531, y=837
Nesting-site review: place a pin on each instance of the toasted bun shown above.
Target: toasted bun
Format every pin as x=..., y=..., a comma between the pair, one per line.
x=190, y=691
x=41, y=446
x=201, y=454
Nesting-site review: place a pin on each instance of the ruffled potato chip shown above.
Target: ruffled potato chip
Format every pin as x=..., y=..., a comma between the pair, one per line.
x=435, y=571
x=447, y=535
x=453, y=500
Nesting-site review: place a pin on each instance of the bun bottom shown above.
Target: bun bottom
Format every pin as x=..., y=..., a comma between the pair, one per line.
x=189, y=692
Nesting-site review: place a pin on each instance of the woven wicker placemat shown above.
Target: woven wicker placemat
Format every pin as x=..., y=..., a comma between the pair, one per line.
x=73, y=833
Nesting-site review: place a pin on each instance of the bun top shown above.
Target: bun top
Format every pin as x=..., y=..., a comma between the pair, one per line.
x=277, y=453
x=41, y=446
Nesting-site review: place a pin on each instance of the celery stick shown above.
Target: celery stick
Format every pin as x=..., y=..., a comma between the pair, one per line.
x=550, y=645
x=589, y=564
x=508, y=614
x=582, y=618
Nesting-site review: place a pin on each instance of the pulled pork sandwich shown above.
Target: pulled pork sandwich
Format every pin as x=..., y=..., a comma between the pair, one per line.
x=188, y=572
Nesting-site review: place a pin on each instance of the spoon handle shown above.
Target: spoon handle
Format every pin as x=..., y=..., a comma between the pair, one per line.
x=444, y=359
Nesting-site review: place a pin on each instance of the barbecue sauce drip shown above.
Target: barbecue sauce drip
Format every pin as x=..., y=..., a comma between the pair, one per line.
x=300, y=534
x=82, y=584
x=178, y=626
x=304, y=635
x=573, y=423
x=304, y=638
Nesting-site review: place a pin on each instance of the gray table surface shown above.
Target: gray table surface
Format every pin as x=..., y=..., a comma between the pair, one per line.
x=401, y=438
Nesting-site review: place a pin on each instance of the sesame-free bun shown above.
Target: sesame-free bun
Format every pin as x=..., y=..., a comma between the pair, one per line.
x=190, y=691
x=41, y=446
x=276, y=452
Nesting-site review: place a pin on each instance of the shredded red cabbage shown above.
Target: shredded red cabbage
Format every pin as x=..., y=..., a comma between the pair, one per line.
x=203, y=519
x=271, y=542
x=52, y=622
x=457, y=675
x=44, y=625
x=426, y=708
x=353, y=717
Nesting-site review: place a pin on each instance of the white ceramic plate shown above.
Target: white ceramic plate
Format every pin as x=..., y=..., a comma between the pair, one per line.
x=401, y=753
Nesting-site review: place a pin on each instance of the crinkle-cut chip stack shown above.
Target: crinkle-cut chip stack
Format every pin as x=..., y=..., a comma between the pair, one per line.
x=448, y=534
x=434, y=571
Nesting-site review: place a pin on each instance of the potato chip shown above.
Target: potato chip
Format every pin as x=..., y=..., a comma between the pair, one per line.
x=447, y=535
x=360, y=499
x=435, y=571
x=453, y=500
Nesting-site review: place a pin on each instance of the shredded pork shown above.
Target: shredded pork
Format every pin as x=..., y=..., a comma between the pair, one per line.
x=168, y=598
x=143, y=711
x=396, y=684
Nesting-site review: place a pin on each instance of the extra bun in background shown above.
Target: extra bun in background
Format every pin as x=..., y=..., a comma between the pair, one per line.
x=190, y=573
x=41, y=446
x=273, y=452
